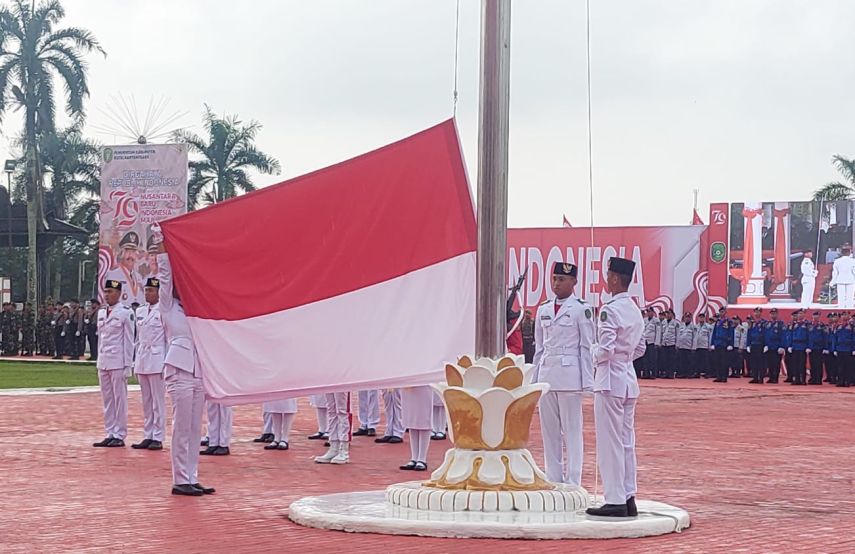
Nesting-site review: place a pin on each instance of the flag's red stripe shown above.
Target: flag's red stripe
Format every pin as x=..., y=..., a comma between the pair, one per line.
x=381, y=215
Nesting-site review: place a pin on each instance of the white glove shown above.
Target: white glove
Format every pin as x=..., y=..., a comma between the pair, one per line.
x=68, y=322
x=62, y=334
x=128, y=372
x=86, y=321
x=790, y=350
x=712, y=347
x=77, y=333
x=729, y=348
x=749, y=349
x=765, y=349
x=825, y=351
x=53, y=323
x=808, y=350
x=781, y=351
x=835, y=354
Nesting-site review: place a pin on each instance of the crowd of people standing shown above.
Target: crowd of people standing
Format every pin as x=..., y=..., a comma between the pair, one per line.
x=59, y=330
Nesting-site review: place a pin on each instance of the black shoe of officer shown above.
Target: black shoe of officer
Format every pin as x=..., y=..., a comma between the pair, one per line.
x=608, y=510
x=155, y=445
x=102, y=443
x=142, y=445
x=205, y=490
x=631, y=508
x=186, y=490
x=208, y=451
x=221, y=451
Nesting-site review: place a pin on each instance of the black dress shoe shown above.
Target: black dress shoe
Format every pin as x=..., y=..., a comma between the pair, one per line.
x=116, y=443
x=268, y=437
x=361, y=432
x=754, y=382
x=395, y=440
x=409, y=466
x=141, y=445
x=719, y=380
x=205, y=490
x=102, y=443
x=204, y=442
x=155, y=445
x=316, y=437
x=221, y=451
x=383, y=439
x=608, y=510
x=372, y=432
x=631, y=508
x=327, y=443
x=186, y=490
x=208, y=451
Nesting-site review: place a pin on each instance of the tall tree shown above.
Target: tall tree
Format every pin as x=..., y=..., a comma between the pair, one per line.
x=32, y=54
x=837, y=190
x=226, y=155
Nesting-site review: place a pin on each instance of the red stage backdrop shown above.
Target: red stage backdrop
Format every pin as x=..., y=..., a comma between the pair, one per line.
x=674, y=264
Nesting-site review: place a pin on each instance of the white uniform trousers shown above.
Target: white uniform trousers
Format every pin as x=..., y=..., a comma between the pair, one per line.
x=188, y=401
x=153, y=391
x=114, y=393
x=219, y=425
x=339, y=417
x=845, y=295
x=807, y=292
x=268, y=423
x=369, y=409
x=614, y=419
x=563, y=441
x=394, y=415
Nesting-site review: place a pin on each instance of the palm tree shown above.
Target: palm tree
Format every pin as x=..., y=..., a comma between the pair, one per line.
x=225, y=158
x=836, y=190
x=32, y=54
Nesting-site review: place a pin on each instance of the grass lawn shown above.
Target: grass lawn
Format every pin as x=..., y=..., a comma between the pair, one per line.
x=19, y=375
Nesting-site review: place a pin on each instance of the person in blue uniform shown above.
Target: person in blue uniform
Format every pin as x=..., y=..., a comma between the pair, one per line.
x=844, y=350
x=797, y=348
x=773, y=345
x=721, y=346
x=817, y=346
x=754, y=348
x=828, y=354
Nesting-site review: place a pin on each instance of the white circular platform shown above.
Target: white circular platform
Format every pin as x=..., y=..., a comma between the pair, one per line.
x=368, y=512
x=563, y=498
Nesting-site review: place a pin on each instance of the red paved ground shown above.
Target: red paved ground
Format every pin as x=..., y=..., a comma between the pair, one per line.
x=760, y=469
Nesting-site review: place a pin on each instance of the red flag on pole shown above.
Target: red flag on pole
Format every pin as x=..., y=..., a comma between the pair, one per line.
x=566, y=223
x=696, y=219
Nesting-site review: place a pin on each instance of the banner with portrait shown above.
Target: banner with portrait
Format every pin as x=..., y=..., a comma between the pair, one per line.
x=141, y=184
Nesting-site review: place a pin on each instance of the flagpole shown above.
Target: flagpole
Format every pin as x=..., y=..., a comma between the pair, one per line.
x=493, y=130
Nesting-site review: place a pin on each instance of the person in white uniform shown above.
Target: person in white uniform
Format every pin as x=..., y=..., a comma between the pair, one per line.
x=183, y=383
x=619, y=343
x=394, y=418
x=148, y=367
x=368, y=413
x=115, y=360
x=809, y=274
x=439, y=421
x=219, y=429
x=563, y=333
x=417, y=404
x=267, y=427
x=339, y=424
x=319, y=403
x=843, y=276
x=282, y=413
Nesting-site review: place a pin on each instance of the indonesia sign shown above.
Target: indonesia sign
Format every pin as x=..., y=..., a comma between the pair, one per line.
x=141, y=184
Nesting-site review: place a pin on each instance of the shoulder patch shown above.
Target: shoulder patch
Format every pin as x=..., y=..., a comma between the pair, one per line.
x=588, y=313
x=603, y=316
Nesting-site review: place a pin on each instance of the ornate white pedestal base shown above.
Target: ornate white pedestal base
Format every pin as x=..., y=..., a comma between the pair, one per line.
x=563, y=498
x=368, y=512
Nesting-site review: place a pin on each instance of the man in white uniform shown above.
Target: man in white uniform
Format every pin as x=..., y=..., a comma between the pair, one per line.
x=148, y=367
x=563, y=332
x=619, y=342
x=115, y=360
x=809, y=274
x=368, y=414
x=843, y=276
x=184, y=384
x=394, y=417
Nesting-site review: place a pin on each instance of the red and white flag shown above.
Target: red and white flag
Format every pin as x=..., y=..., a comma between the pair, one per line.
x=696, y=218
x=360, y=275
x=566, y=223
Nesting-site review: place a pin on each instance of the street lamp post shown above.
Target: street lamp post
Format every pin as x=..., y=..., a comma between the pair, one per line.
x=9, y=168
x=80, y=276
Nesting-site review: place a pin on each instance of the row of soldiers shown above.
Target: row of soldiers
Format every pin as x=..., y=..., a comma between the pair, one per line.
x=728, y=347
x=58, y=330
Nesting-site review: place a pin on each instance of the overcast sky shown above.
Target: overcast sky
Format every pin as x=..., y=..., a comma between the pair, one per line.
x=739, y=98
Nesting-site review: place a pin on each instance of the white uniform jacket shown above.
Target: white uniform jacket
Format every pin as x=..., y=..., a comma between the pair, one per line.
x=180, y=352
x=809, y=271
x=151, y=341
x=843, y=271
x=686, y=336
x=115, y=337
x=562, y=345
x=619, y=343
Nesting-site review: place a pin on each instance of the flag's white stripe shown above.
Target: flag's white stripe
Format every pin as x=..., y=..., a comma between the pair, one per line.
x=396, y=333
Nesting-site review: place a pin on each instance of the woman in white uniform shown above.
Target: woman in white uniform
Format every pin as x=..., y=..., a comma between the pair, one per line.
x=417, y=408
x=282, y=413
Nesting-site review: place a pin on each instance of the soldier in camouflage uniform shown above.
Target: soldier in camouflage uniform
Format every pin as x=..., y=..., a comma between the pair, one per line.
x=44, y=331
x=9, y=327
x=28, y=331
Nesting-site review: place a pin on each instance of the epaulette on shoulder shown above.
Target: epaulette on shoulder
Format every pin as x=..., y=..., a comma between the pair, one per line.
x=547, y=301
